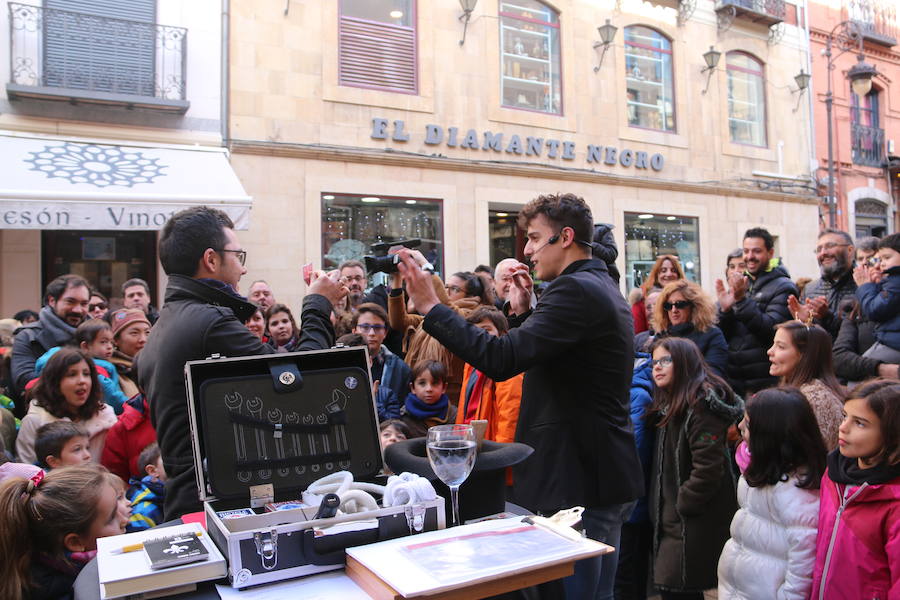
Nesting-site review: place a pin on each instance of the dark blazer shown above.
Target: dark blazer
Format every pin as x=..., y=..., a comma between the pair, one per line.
x=197, y=321
x=576, y=350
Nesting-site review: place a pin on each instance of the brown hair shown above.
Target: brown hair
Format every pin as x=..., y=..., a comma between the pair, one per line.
x=491, y=314
x=46, y=392
x=52, y=437
x=652, y=278
x=703, y=311
x=277, y=308
x=88, y=331
x=814, y=345
x=369, y=307
x=437, y=370
x=883, y=398
x=37, y=518
x=561, y=210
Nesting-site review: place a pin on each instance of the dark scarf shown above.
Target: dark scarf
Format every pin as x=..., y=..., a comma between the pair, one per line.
x=842, y=469
x=421, y=411
x=223, y=287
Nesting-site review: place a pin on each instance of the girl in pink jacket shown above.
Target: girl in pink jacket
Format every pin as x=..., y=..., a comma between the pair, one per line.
x=858, y=542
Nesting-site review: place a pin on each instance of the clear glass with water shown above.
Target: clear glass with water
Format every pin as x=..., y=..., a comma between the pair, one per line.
x=451, y=452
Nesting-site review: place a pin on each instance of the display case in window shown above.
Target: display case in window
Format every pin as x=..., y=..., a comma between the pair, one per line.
x=529, y=57
x=648, y=79
x=648, y=236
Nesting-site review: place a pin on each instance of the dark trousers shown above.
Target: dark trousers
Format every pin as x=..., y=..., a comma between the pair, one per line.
x=633, y=571
x=594, y=577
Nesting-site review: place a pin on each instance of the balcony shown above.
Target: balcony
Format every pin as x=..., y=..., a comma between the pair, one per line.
x=766, y=12
x=876, y=19
x=868, y=145
x=85, y=58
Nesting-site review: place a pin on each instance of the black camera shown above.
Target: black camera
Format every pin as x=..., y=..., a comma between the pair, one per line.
x=382, y=262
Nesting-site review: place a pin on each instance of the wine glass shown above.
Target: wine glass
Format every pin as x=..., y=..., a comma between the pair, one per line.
x=451, y=452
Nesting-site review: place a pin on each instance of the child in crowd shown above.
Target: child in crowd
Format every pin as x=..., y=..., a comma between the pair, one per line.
x=773, y=535
x=131, y=434
x=427, y=403
x=146, y=494
x=387, y=403
x=284, y=335
x=123, y=506
x=858, y=544
x=95, y=337
x=67, y=390
x=50, y=528
x=693, y=489
x=392, y=431
x=481, y=397
x=61, y=444
x=879, y=298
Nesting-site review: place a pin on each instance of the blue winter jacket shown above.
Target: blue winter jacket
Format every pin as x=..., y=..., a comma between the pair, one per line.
x=112, y=393
x=880, y=302
x=644, y=433
x=146, y=498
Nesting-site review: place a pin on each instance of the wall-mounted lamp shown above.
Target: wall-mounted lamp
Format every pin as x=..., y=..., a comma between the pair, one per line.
x=860, y=76
x=607, y=35
x=802, y=80
x=711, y=57
x=468, y=6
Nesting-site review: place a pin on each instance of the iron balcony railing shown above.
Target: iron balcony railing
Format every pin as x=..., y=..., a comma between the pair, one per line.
x=768, y=12
x=95, y=58
x=868, y=145
x=876, y=19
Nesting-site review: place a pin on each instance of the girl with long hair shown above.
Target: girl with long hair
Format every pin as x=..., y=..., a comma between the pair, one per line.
x=284, y=335
x=800, y=356
x=773, y=535
x=665, y=270
x=692, y=486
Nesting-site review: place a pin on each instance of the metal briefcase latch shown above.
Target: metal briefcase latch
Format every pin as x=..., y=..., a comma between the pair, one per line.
x=267, y=548
x=285, y=376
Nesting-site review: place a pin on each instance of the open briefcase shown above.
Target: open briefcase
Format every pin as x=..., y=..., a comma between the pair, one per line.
x=263, y=428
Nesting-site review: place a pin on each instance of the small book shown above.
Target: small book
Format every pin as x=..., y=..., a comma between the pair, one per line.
x=124, y=569
x=175, y=550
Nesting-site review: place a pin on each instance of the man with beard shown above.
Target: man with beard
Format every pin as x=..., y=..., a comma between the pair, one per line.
x=823, y=297
x=750, y=307
x=353, y=273
x=66, y=307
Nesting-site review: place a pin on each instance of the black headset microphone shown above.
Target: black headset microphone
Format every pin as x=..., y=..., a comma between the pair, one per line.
x=549, y=242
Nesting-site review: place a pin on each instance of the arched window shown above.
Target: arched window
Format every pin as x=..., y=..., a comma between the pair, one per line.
x=650, y=89
x=530, y=57
x=377, y=45
x=865, y=129
x=746, y=99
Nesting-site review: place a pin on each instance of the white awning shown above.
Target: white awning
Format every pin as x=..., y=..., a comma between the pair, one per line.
x=58, y=183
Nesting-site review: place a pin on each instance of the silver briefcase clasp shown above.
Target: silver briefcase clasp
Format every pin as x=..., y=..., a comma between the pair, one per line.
x=267, y=548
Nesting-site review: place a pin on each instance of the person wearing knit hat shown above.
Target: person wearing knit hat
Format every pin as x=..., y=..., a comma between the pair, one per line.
x=130, y=328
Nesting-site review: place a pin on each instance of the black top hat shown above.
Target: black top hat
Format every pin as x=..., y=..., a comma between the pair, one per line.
x=483, y=493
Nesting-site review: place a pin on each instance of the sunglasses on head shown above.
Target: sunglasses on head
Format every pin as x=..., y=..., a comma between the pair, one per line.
x=680, y=305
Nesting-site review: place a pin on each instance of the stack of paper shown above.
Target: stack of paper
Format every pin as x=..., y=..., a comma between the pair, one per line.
x=127, y=573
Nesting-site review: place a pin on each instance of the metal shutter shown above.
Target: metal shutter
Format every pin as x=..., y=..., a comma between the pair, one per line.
x=377, y=55
x=101, y=45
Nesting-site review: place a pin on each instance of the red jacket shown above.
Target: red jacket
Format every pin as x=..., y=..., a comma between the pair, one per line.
x=132, y=433
x=858, y=544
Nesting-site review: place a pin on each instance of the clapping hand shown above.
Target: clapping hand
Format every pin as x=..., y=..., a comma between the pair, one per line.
x=725, y=296
x=865, y=274
x=738, y=284
x=800, y=311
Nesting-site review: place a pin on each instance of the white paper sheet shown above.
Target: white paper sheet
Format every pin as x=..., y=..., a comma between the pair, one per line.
x=334, y=585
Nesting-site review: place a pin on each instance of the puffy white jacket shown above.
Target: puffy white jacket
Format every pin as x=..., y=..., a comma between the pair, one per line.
x=772, y=548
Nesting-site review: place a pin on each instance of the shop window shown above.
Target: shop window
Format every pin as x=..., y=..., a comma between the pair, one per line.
x=107, y=259
x=377, y=45
x=871, y=218
x=507, y=240
x=649, y=235
x=746, y=99
x=530, y=57
x=352, y=223
x=648, y=78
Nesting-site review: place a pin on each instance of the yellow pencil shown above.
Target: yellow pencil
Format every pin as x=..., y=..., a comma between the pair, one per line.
x=135, y=547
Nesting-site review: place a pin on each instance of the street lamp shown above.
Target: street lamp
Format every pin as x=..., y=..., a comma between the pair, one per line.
x=847, y=34
x=802, y=80
x=711, y=58
x=607, y=35
x=468, y=6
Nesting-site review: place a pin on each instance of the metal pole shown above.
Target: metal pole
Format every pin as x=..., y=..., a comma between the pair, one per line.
x=829, y=100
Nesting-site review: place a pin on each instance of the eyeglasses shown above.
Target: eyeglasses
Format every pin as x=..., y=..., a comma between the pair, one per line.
x=367, y=327
x=665, y=361
x=872, y=261
x=829, y=246
x=241, y=254
x=680, y=305
x=453, y=289
x=354, y=278
x=100, y=305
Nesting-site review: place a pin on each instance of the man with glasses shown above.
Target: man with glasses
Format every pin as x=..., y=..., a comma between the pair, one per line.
x=388, y=369
x=203, y=315
x=353, y=274
x=822, y=299
x=66, y=307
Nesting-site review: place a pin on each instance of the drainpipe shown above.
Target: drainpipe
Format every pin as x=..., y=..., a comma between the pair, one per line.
x=810, y=101
x=224, y=91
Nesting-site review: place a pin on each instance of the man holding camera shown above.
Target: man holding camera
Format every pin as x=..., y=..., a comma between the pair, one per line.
x=575, y=348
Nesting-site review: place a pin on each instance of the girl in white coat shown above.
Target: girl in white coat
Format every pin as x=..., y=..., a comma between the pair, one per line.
x=772, y=548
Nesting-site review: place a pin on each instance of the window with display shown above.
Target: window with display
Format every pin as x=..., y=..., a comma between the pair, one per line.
x=352, y=223
x=648, y=236
x=530, y=56
x=648, y=78
x=377, y=45
x=746, y=99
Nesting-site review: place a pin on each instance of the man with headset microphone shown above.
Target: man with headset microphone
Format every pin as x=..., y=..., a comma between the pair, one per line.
x=575, y=348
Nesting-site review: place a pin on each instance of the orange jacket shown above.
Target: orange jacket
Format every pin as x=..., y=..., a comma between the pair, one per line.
x=499, y=406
